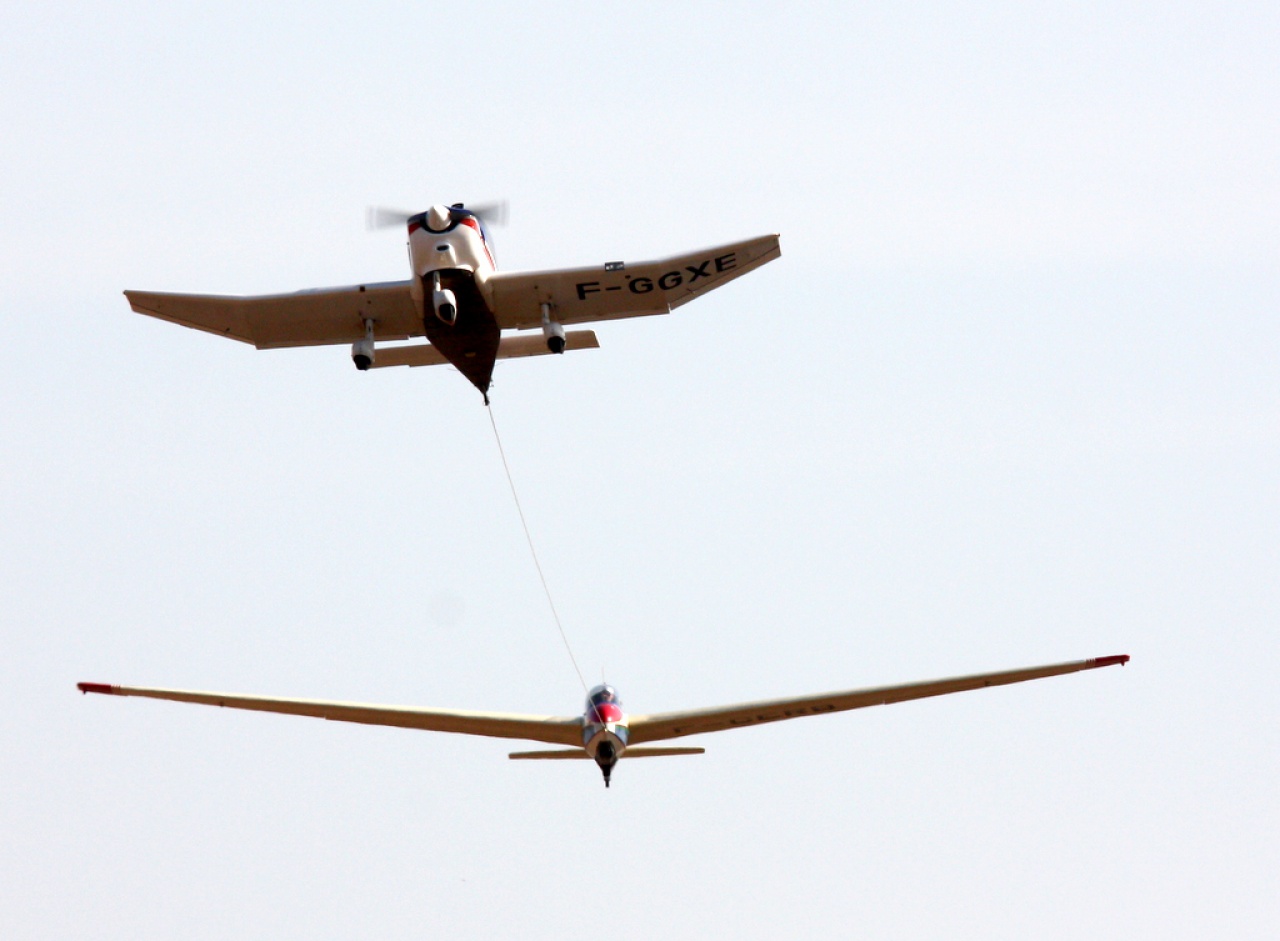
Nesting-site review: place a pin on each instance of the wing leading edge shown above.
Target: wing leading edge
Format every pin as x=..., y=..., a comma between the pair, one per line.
x=551, y=729
x=667, y=725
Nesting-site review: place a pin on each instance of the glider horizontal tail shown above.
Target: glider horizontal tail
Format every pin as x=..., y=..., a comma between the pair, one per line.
x=561, y=754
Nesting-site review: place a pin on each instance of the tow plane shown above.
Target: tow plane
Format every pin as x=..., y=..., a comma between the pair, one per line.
x=470, y=313
x=604, y=733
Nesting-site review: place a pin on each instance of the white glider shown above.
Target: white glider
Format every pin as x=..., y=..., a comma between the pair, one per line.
x=604, y=733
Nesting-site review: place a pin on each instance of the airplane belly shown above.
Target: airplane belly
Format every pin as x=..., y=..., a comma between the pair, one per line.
x=471, y=341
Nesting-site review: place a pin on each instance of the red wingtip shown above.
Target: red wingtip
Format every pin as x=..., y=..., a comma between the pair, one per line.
x=1121, y=659
x=95, y=688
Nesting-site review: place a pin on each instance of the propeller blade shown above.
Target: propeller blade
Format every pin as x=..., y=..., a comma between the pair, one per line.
x=384, y=217
x=381, y=217
x=493, y=213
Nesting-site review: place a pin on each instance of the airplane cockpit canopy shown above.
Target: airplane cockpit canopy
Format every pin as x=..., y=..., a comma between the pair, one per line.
x=603, y=704
x=603, y=693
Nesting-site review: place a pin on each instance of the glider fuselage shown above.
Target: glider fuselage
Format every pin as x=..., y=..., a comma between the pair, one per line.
x=604, y=728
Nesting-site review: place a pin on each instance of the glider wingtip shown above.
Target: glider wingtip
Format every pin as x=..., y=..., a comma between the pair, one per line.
x=1121, y=658
x=106, y=688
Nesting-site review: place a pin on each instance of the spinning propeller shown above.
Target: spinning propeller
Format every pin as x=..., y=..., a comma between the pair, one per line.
x=382, y=217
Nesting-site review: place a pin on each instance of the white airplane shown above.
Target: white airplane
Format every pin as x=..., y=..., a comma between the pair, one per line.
x=604, y=733
x=459, y=301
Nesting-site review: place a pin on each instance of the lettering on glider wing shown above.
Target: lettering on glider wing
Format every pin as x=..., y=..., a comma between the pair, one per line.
x=667, y=281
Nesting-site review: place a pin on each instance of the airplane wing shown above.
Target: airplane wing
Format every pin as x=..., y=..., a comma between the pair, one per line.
x=557, y=731
x=307, y=318
x=621, y=289
x=667, y=725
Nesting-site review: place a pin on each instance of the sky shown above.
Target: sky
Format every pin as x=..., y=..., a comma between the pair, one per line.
x=1009, y=397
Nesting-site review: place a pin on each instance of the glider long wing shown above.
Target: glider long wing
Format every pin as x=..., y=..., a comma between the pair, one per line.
x=618, y=289
x=667, y=725
x=307, y=318
x=551, y=729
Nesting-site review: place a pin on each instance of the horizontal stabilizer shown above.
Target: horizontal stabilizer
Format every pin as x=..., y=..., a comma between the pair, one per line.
x=420, y=354
x=628, y=753
x=511, y=347
x=535, y=344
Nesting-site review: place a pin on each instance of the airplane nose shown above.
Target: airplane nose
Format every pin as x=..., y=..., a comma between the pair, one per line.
x=438, y=217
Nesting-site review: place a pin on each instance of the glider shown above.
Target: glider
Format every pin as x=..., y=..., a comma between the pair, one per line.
x=604, y=733
x=459, y=301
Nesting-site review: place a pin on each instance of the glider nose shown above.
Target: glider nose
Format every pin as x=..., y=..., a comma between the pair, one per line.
x=607, y=712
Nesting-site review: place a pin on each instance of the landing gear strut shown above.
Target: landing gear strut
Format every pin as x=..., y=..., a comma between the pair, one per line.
x=553, y=332
x=362, y=350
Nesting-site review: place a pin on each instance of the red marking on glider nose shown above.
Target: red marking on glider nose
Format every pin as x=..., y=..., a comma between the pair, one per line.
x=608, y=712
x=94, y=688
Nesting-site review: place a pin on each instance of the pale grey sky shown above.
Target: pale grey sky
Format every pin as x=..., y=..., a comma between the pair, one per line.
x=1010, y=396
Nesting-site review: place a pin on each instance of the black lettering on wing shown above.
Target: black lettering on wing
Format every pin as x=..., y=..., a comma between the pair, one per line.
x=697, y=271
x=672, y=279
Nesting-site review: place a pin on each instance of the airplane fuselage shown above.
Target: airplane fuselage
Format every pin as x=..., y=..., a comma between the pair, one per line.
x=451, y=259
